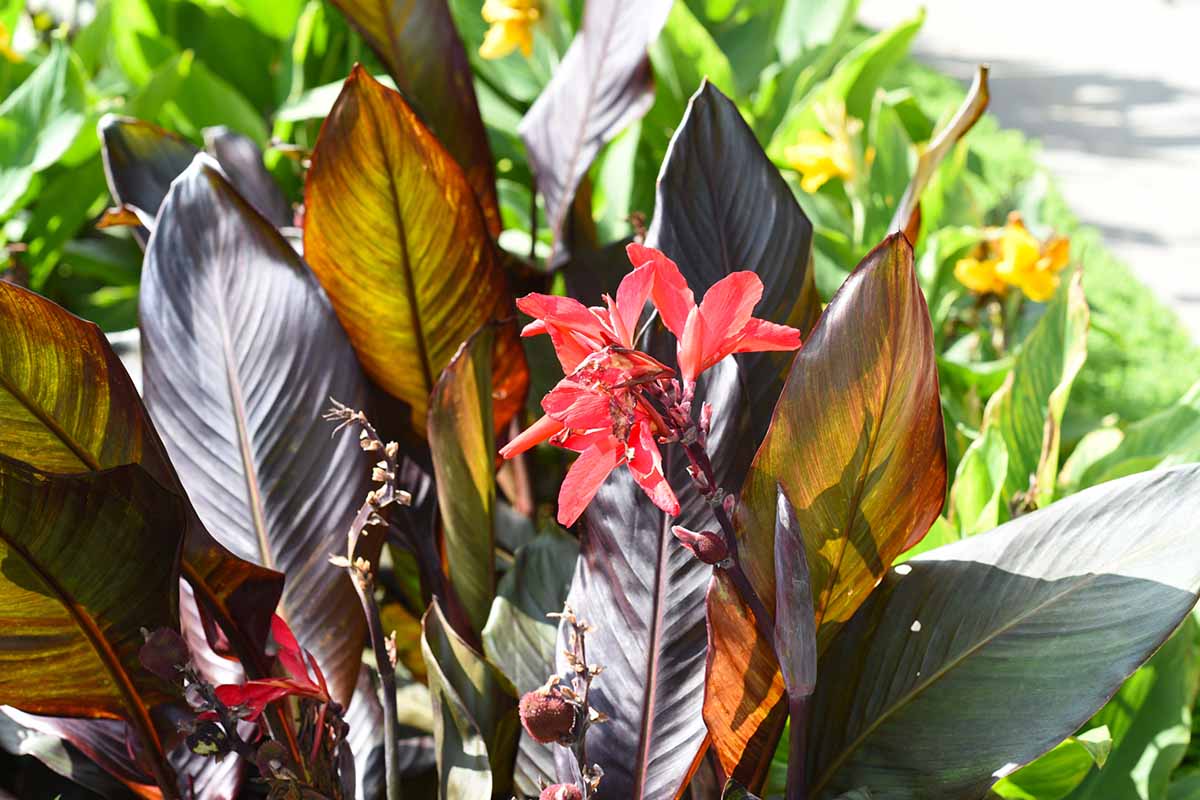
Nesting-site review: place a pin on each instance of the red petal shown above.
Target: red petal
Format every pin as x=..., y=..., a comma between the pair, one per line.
x=646, y=467
x=727, y=307
x=565, y=311
x=570, y=347
x=584, y=478
x=289, y=654
x=577, y=406
x=536, y=433
x=690, y=349
x=670, y=291
x=759, y=335
x=631, y=298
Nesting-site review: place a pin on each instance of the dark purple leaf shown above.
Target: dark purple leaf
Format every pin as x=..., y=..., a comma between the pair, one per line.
x=141, y=160
x=242, y=353
x=721, y=206
x=602, y=84
x=242, y=162
x=644, y=593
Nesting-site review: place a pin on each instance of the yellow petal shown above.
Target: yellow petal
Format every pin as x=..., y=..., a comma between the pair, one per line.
x=1039, y=285
x=498, y=42
x=1019, y=250
x=978, y=276
x=1056, y=254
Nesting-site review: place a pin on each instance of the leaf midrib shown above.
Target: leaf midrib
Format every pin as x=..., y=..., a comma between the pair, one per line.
x=91, y=631
x=952, y=663
x=87, y=459
x=410, y=285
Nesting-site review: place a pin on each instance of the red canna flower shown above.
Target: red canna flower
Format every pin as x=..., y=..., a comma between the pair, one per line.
x=722, y=324
x=600, y=409
x=255, y=695
x=578, y=331
x=598, y=412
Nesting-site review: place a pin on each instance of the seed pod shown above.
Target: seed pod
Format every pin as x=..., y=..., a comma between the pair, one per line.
x=548, y=716
x=561, y=791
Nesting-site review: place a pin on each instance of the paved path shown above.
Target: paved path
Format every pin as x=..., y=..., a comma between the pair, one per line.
x=1112, y=90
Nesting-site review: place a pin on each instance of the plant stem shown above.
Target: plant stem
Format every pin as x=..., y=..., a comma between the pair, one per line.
x=764, y=621
x=365, y=587
x=797, y=780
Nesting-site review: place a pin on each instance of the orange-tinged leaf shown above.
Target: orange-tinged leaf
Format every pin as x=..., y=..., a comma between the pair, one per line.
x=856, y=444
x=67, y=405
x=88, y=561
x=419, y=45
x=394, y=233
x=745, y=703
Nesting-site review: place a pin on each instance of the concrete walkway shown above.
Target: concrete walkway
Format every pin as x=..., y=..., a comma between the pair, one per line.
x=1112, y=91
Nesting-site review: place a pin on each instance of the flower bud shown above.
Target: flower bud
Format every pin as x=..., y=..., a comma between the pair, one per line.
x=561, y=791
x=548, y=716
x=707, y=546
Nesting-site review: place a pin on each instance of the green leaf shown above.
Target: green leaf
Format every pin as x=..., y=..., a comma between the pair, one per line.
x=1057, y=773
x=1185, y=788
x=976, y=496
x=474, y=714
x=853, y=82
x=463, y=447
x=523, y=642
x=1151, y=723
x=1172, y=436
x=1028, y=409
x=89, y=561
x=277, y=18
x=805, y=25
x=38, y=122
x=980, y=656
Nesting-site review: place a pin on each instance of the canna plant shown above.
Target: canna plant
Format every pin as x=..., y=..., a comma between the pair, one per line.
x=323, y=554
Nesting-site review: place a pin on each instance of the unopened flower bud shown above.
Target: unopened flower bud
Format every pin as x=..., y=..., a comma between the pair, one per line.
x=165, y=654
x=561, y=791
x=548, y=716
x=707, y=546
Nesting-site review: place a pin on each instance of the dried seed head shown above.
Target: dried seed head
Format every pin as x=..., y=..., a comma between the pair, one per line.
x=707, y=546
x=548, y=716
x=561, y=791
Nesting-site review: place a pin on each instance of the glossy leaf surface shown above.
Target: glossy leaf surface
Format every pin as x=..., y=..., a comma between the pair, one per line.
x=464, y=456
x=417, y=41
x=241, y=354
x=602, y=84
x=474, y=714
x=1064, y=604
x=395, y=236
x=747, y=219
x=89, y=560
x=857, y=447
x=67, y=405
x=644, y=592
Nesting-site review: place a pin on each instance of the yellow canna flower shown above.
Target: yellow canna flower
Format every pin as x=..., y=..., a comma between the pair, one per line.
x=1012, y=256
x=819, y=156
x=1026, y=264
x=512, y=24
x=979, y=275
